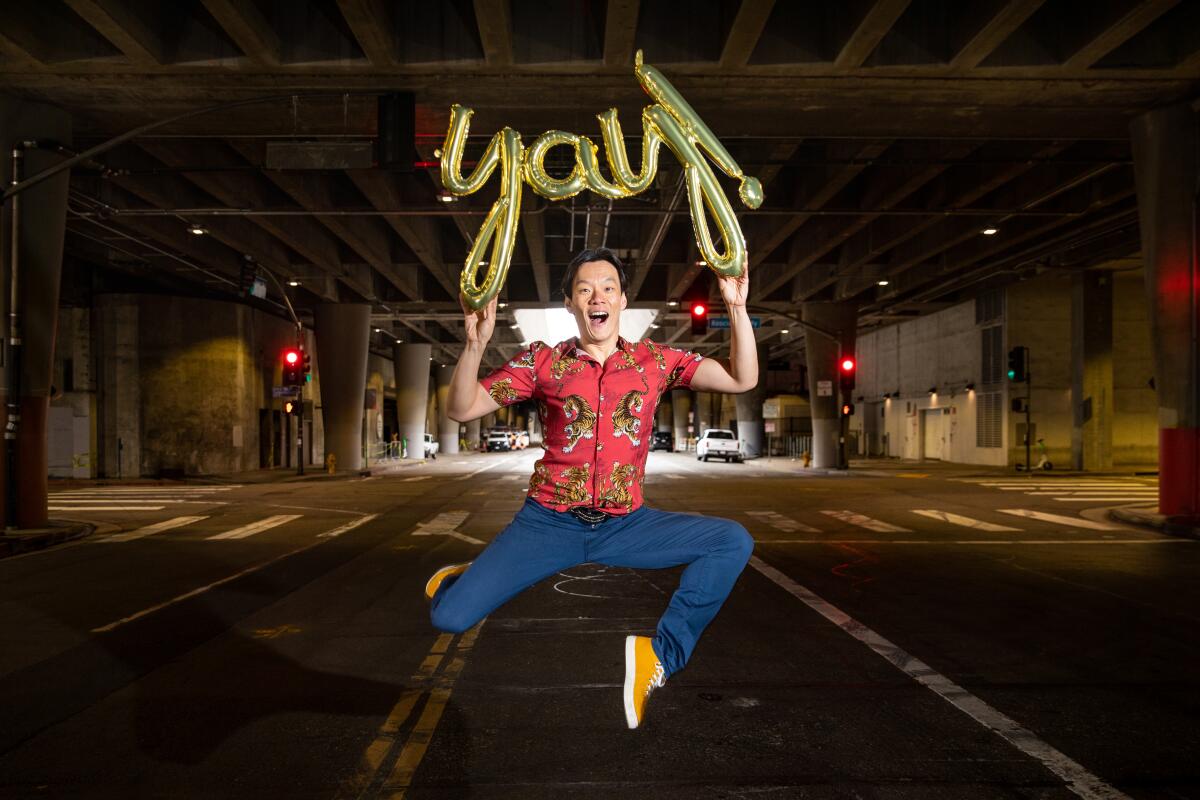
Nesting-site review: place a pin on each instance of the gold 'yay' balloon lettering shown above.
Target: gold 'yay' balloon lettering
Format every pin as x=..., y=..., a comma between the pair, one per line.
x=670, y=120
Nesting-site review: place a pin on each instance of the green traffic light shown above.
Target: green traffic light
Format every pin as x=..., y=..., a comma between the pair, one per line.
x=1012, y=374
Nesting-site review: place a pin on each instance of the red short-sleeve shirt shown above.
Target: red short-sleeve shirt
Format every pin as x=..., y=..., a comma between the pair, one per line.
x=597, y=419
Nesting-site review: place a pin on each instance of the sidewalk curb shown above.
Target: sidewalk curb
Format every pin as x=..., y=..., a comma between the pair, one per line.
x=12, y=544
x=1148, y=518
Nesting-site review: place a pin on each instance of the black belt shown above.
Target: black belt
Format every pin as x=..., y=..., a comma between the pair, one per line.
x=591, y=516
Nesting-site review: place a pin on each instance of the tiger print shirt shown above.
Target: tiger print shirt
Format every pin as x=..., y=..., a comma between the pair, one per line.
x=597, y=419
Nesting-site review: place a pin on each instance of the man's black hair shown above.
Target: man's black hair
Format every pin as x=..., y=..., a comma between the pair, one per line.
x=593, y=254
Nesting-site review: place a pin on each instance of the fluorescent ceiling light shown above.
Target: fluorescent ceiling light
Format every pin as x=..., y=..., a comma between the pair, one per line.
x=556, y=324
x=989, y=231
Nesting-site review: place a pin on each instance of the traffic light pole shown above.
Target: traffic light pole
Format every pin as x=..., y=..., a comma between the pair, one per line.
x=1028, y=404
x=300, y=431
x=843, y=461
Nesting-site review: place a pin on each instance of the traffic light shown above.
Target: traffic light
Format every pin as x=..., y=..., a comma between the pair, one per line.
x=1018, y=364
x=306, y=368
x=291, y=367
x=847, y=409
x=291, y=407
x=847, y=368
x=699, y=318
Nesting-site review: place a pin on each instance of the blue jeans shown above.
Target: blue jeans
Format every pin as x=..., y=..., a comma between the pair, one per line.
x=539, y=543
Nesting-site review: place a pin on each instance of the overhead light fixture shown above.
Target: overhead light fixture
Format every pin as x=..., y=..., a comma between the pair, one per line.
x=673, y=303
x=702, y=263
x=400, y=341
x=379, y=330
x=502, y=305
x=883, y=282
x=970, y=387
x=197, y=230
x=785, y=330
x=654, y=325
x=933, y=390
x=446, y=197
x=989, y=231
x=293, y=283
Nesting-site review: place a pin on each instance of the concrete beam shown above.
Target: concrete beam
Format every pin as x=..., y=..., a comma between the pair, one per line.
x=878, y=20
x=620, y=29
x=116, y=21
x=743, y=36
x=1129, y=25
x=494, y=18
x=372, y=25
x=1002, y=25
x=248, y=28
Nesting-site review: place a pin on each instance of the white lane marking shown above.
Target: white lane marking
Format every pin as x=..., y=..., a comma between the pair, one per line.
x=416, y=478
x=105, y=508
x=1122, y=499
x=966, y=522
x=978, y=541
x=149, y=530
x=866, y=522
x=255, y=527
x=1058, y=519
x=117, y=490
x=780, y=522
x=201, y=590
x=674, y=477
x=349, y=526
x=444, y=524
x=74, y=501
x=1077, y=779
x=493, y=465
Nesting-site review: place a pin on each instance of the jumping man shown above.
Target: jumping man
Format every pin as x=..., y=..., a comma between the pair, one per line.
x=597, y=395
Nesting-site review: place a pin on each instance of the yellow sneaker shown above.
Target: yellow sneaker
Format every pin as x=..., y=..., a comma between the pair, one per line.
x=434, y=582
x=643, y=674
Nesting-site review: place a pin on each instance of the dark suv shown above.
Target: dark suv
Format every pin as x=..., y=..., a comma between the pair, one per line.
x=663, y=440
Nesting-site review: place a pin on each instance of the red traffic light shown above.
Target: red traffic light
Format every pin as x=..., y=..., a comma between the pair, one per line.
x=699, y=310
x=291, y=356
x=847, y=364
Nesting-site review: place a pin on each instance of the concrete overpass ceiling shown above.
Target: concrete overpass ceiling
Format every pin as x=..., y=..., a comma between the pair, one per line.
x=888, y=135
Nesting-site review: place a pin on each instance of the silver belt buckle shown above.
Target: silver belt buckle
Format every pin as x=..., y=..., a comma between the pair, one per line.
x=592, y=516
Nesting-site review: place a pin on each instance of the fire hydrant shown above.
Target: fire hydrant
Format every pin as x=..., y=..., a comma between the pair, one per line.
x=331, y=463
x=807, y=459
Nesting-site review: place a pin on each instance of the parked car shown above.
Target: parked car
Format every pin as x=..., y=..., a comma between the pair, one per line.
x=663, y=440
x=719, y=443
x=431, y=446
x=498, y=439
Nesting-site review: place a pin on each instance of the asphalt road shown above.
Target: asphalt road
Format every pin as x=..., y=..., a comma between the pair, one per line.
x=899, y=634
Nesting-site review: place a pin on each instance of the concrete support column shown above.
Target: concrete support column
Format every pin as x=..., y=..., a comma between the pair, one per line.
x=342, y=332
x=412, y=394
x=839, y=319
x=1165, y=147
x=42, y=213
x=706, y=417
x=681, y=406
x=663, y=419
x=447, y=434
x=472, y=435
x=750, y=408
x=1092, y=371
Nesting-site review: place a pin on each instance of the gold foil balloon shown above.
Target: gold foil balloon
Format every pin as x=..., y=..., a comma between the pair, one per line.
x=671, y=120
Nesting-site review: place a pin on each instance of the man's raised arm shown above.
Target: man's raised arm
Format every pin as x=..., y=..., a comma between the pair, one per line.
x=467, y=399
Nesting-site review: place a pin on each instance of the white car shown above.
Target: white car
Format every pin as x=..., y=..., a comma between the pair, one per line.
x=431, y=446
x=719, y=443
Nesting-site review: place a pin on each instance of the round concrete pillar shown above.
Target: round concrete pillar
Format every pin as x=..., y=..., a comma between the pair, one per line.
x=412, y=394
x=681, y=406
x=749, y=411
x=472, y=435
x=822, y=354
x=1165, y=147
x=663, y=419
x=447, y=434
x=342, y=331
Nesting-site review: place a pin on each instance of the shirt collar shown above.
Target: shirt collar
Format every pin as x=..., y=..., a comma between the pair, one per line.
x=572, y=346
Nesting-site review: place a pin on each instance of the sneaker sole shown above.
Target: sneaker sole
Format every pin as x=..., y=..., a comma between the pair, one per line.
x=437, y=578
x=630, y=672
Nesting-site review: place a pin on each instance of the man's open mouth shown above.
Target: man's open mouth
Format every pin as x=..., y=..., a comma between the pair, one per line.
x=598, y=316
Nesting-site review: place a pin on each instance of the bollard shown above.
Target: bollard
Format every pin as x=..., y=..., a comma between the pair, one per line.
x=331, y=463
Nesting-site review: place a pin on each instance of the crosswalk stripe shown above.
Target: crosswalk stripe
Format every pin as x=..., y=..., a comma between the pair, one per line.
x=256, y=527
x=148, y=530
x=780, y=522
x=966, y=522
x=866, y=522
x=1058, y=519
x=349, y=526
x=416, y=478
x=104, y=508
x=1123, y=499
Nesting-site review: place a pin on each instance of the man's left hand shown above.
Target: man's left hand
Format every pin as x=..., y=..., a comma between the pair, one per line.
x=734, y=290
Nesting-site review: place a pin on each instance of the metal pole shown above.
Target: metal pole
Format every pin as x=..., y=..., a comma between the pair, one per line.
x=300, y=429
x=13, y=423
x=1028, y=406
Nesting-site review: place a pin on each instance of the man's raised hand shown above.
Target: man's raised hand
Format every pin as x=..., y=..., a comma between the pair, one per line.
x=479, y=324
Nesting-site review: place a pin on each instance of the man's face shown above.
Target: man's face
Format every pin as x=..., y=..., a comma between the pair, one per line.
x=597, y=301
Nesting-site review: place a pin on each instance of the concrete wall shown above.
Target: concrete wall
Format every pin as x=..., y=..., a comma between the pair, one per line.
x=945, y=350
x=185, y=385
